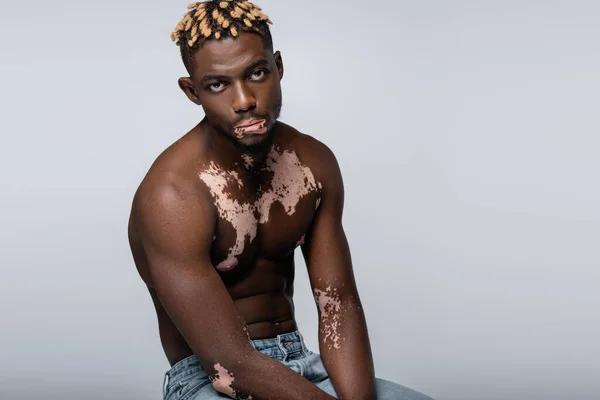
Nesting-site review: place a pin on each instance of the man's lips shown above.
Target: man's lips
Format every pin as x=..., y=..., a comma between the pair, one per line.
x=249, y=122
x=251, y=126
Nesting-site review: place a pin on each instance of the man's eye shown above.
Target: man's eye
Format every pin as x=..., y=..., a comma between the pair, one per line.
x=258, y=74
x=216, y=87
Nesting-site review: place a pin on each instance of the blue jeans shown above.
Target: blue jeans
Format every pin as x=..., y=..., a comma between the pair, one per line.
x=187, y=380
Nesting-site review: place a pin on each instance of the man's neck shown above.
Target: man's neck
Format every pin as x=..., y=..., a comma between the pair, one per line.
x=233, y=156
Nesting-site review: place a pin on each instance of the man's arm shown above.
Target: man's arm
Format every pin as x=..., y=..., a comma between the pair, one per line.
x=176, y=228
x=343, y=337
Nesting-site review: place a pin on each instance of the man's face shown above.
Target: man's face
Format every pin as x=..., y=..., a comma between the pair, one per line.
x=237, y=82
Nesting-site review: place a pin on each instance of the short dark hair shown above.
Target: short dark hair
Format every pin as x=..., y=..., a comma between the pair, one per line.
x=218, y=19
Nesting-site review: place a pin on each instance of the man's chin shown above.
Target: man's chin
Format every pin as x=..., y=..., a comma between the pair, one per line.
x=255, y=143
x=250, y=139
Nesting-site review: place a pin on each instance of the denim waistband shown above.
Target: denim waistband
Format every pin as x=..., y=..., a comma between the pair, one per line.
x=282, y=347
x=287, y=346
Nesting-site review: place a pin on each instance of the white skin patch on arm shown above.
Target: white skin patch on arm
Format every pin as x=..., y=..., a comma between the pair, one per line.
x=240, y=215
x=291, y=181
x=222, y=381
x=330, y=306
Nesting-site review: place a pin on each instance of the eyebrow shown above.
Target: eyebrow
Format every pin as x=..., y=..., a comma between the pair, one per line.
x=247, y=70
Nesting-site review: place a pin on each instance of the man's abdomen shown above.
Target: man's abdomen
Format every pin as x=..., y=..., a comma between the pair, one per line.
x=266, y=315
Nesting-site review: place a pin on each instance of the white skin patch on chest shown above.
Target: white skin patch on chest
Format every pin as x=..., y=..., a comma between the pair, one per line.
x=240, y=215
x=291, y=181
x=330, y=306
x=236, y=176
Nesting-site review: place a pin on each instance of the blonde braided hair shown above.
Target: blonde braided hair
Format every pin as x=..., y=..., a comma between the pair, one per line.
x=218, y=19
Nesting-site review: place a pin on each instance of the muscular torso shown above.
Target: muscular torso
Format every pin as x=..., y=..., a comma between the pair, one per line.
x=264, y=210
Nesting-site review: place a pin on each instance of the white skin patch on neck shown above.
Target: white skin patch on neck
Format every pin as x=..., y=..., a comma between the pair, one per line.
x=222, y=381
x=248, y=160
x=330, y=306
x=291, y=181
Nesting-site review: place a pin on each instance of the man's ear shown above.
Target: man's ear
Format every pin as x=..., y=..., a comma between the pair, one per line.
x=279, y=63
x=187, y=85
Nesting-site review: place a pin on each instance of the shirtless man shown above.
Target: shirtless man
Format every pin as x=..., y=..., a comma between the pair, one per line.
x=216, y=221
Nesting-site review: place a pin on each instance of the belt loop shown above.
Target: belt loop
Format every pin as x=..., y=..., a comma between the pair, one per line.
x=304, y=350
x=165, y=384
x=282, y=348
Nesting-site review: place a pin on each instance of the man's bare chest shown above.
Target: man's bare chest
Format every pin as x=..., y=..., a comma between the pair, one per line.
x=261, y=215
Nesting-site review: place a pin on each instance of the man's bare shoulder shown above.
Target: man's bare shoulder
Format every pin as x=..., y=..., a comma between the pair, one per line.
x=181, y=160
x=315, y=154
x=173, y=176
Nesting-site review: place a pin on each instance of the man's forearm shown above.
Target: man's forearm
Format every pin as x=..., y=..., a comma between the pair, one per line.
x=346, y=351
x=264, y=378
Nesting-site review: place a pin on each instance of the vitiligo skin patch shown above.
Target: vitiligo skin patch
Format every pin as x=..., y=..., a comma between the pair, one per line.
x=291, y=181
x=330, y=308
x=248, y=160
x=222, y=380
x=240, y=215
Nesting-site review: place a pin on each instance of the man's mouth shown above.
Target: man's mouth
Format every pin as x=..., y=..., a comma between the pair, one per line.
x=250, y=126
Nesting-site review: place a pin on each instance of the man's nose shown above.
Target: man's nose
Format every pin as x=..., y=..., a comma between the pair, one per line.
x=243, y=98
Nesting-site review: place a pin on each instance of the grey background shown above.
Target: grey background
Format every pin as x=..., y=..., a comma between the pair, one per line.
x=467, y=132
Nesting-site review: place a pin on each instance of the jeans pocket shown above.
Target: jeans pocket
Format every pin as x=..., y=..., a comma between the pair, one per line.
x=185, y=387
x=190, y=387
x=171, y=391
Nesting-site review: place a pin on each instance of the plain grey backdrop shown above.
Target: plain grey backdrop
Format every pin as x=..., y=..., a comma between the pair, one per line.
x=467, y=133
